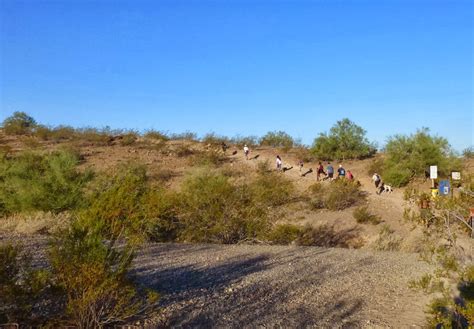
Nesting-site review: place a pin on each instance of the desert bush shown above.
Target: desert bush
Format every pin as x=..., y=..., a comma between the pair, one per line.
x=91, y=274
x=346, y=140
x=409, y=156
x=375, y=166
x=213, y=139
x=387, y=240
x=156, y=135
x=214, y=210
x=114, y=207
x=272, y=189
x=129, y=138
x=468, y=152
x=303, y=153
x=187, y=135
x=210, y=157
x=277, y=139
x=94, y=136
x=161, y=209
x=338, y=195
x=22, y=288
x=31, y=181
x=250, y=141
x=19, y=123
x=284, y=234
x=43, y=132
x=31, y=142
x=184, y=151
x=362, y=215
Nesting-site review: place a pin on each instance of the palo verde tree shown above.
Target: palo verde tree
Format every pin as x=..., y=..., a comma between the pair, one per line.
x=345, y=140
x=19, y=123
x=410, y=156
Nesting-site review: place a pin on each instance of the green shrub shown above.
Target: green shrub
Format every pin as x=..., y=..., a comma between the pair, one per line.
x=337, y=195
x=214, y=210
x=92, y=275
x=362, y=215
x=346, y=140
x=115, y=204
x=19, y=123
x=376, y=166
x=156, y=135
x=161, y=209
x=277, y=139
x=272, y=189
x=213, y=139
x=410, y=156
x=31, y=181
x=284, y=234
x=250, y=141
x=22, y=288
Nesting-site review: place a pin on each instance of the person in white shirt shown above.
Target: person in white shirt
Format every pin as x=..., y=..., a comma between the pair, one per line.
x=376, y=178
x=246, y=152
x=279, y=163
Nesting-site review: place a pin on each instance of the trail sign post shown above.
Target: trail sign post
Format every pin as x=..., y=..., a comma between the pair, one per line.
x=456, y=175
x=433, y=175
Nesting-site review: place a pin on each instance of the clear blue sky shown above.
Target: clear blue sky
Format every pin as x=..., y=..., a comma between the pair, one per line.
x=242, y=67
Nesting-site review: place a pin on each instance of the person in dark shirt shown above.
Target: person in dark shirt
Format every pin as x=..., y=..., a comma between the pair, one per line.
x=320, y=171
x=341, y=172
x=330, y=170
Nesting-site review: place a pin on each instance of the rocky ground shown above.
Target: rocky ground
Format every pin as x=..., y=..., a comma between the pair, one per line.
x=281, y=286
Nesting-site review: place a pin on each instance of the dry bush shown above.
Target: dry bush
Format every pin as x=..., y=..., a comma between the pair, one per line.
x=207, y=158
x=184, y=151
x=156, y=135
x=129, y=138
x=387, y=240
x=337, y=195
x=284, y=234
x=19, y=123
x=362, y=215
x=213, y=139
x=36, y=222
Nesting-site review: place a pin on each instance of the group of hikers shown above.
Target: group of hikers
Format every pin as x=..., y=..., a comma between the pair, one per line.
x=328, y=174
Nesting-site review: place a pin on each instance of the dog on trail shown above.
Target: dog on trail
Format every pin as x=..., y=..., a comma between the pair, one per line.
x=255, y=157
x=387, y=188
x=234, y=153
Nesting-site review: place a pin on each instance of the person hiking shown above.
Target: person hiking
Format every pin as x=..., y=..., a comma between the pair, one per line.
x=224, y=147
x=300, y=165
x=320, y=171
x=341, y=172
x=246, y=151
x=350, y=176
x=376, y=178
x=330, y=170
x=279, y=163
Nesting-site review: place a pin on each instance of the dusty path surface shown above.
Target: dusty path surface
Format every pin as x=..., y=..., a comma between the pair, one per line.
x=281, y=286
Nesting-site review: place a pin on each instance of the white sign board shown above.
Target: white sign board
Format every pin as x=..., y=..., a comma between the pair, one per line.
x=433, y=172
x=456, y=175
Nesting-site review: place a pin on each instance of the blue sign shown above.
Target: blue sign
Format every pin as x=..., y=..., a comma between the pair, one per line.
x=444, y=187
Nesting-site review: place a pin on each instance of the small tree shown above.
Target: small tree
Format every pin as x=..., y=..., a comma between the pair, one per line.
x=277, y=139
x=19, y=123
x=346, y=140
x=410, y=156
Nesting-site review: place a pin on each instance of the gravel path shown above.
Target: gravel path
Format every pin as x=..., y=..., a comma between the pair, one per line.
x=281, y=286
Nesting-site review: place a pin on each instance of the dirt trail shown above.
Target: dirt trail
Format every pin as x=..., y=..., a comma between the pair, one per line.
x=389, y=206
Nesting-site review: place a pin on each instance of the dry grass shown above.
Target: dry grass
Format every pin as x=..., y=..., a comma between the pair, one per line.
x=35, y=223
